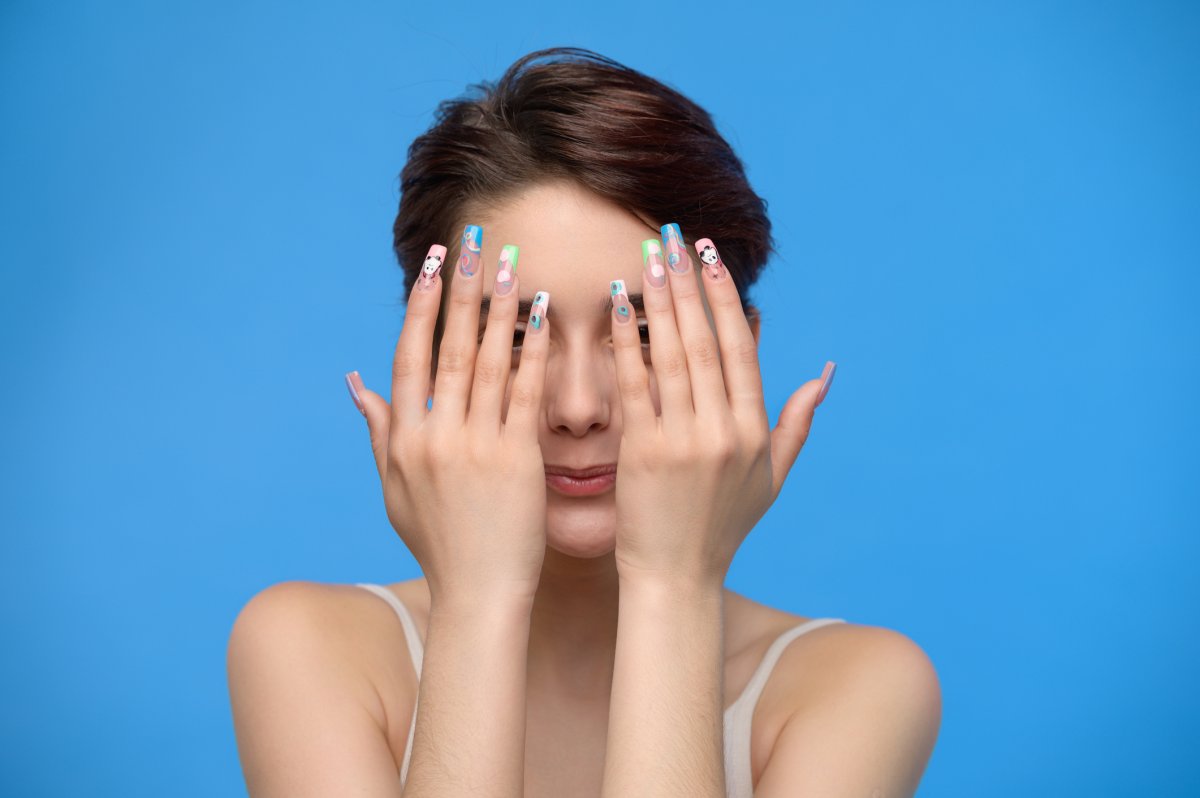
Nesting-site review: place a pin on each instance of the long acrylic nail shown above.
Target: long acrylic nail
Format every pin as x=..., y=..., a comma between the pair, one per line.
x=714, y=267
x=830, y=368
x=620, y=300
x=537, y=313
x=351, y=379
x=677, y=257
x=472, y=241
x=652, y=261
x=432, y=266
x=508, y=267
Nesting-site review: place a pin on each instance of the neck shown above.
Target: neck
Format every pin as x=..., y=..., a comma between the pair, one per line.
x=573, y=627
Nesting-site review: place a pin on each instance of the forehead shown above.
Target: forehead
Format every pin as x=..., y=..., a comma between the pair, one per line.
x=572, y=242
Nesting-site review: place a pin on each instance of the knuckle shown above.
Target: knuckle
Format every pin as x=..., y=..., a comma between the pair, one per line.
x=671, y=364
x=489, y=373
x=454, y=358
x=634, y=386
x=523, y=396
x=407, y=364
x=703, y=352
x=745, y=353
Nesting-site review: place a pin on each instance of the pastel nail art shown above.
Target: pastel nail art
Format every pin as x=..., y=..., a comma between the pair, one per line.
x=432, y=266
x=508, y=267
x=652, y=261
x=620, y=300
x=351, y=379
x=472, y=242
x=713, y=265
x=537, y=313
x=677, y=257
x=830, y=368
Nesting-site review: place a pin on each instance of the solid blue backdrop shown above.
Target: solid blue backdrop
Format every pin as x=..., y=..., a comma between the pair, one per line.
x=986, y=213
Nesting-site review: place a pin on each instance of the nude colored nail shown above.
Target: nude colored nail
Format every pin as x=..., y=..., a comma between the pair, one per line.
x=354, y=383
x=620, y=300
x=830, y=368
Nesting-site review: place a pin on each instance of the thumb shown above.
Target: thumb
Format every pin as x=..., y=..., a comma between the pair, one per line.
x=378, y=413
x=795, y=420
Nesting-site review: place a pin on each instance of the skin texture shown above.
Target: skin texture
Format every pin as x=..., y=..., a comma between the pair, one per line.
x=606, y=670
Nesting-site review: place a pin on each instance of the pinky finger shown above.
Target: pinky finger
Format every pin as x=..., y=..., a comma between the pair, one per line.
x=525, y=393
x=378, y=413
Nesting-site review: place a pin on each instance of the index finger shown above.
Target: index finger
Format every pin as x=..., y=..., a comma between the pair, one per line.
x=414, y=351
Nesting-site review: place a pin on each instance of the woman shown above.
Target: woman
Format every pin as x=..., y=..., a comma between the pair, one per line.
x=575, y=447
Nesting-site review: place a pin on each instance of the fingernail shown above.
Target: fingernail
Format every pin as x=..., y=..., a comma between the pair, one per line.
x=830, y=368
x=677, y=257
x=472, y=240
x=620, y=300
x=713, y=265
x=652, y=261
x=432, y=266
x=354, y=382
x=537, y=313
x=508, y=267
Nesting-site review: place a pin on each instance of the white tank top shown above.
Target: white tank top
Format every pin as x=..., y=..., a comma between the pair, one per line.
x=737, y=716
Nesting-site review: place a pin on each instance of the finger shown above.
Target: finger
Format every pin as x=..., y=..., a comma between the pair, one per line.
x=795, y=421
x=493, y=364
x=456, y=355
x=703, y=355
x=739, y=350
x=633, y=380
x=525, y=399
x=414, y=349
x=667, y=357
x=378, y=415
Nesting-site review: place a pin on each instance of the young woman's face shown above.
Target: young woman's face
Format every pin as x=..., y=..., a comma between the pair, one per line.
x=572, y=244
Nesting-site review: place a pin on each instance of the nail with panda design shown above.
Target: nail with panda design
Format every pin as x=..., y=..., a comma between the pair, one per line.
x=714, y=267
x=432, y=267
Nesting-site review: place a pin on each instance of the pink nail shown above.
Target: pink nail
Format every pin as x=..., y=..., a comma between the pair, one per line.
x=354, y=382
x=830, y=368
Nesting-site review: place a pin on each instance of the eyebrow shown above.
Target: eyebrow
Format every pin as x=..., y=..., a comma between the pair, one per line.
x=523, y=306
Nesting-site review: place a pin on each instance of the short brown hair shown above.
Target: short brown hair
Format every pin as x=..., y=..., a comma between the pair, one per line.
x=571, y=113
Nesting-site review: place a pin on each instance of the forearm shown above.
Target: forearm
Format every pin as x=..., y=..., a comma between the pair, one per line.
x=470, y=732
x=665, y=727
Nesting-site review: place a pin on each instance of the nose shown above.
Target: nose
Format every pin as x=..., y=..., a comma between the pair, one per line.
x=578, y=392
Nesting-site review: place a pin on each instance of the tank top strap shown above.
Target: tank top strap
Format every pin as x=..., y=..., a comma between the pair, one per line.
x=416, y=648
x=739, y=714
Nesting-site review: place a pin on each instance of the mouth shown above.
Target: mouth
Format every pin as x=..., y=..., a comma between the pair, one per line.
x=581, y=481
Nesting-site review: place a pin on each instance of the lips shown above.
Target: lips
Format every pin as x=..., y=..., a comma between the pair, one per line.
x=582, y=481
x=582, y=473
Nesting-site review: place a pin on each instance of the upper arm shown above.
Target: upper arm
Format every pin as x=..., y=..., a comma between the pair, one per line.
x=866, y=730
x=300, y=704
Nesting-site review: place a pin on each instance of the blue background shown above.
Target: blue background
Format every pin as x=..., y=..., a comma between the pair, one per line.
x=987, y=214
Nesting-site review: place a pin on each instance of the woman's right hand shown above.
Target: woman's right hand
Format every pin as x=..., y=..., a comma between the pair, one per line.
x=464, y=483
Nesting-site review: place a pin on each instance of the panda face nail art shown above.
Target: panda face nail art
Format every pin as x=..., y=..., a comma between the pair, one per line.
x=714, y=267
x=432, y=266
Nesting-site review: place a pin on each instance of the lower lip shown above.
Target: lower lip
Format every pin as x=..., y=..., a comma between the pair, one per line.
x=581, y=487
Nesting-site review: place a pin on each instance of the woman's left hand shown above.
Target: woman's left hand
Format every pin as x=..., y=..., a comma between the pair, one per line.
x=692, y=482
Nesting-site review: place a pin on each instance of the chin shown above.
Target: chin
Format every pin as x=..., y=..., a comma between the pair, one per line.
x=581, y=528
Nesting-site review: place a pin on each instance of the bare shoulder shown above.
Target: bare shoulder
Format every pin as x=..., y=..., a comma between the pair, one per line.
x=863, y=709
x=307, y=712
